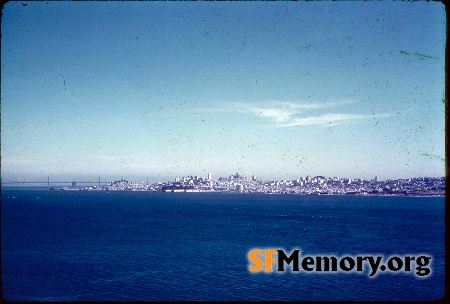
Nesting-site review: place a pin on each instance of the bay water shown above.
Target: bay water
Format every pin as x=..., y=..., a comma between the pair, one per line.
x=152, y=246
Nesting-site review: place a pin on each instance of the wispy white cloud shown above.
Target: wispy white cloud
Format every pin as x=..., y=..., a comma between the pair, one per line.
x=329, y=119
x=313, y=105
x=284, y=114
x=292, y=114
x=276, y=114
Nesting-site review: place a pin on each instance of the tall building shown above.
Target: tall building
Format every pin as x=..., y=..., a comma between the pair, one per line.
x=209, y=176
x=376, y=178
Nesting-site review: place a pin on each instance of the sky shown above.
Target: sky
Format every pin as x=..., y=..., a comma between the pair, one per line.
x=279, y=90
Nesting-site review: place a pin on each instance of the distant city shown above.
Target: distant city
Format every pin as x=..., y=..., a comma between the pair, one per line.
x=317, y=185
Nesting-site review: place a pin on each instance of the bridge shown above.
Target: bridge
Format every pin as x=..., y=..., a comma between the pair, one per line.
x=48, y=182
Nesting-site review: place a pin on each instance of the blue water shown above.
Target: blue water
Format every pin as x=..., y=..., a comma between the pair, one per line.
x=76, y=246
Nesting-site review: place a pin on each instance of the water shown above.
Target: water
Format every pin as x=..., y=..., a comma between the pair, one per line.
x=77, y=246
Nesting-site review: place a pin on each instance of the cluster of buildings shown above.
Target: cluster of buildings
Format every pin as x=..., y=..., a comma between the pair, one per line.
x=318, y=185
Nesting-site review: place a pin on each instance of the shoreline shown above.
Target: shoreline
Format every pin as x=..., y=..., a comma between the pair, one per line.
x=43, y=188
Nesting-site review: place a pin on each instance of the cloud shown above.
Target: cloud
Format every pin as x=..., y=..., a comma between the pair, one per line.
x=329, y=119
x=316, y=105
x=276, y=114
x=284, y=112
x=291, y=114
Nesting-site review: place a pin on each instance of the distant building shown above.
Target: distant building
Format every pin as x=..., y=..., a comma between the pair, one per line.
x=376, y=178
x=209, y=176
x=239, y=188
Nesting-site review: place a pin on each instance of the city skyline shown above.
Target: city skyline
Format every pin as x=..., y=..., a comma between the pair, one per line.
x=236, y=183
x=94, y=180
x=276, y=90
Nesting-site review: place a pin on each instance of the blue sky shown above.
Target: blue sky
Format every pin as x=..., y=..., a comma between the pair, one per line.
x=279, y=90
